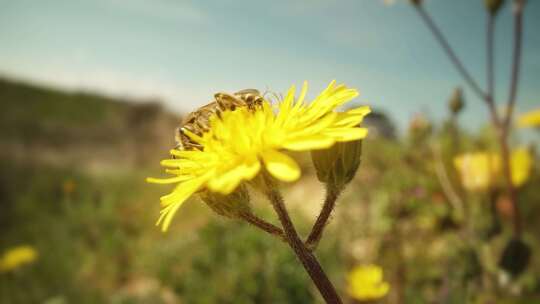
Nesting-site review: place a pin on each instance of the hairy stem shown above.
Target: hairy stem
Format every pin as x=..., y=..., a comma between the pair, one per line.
x=319, y=225
x=309, y=261
x=263, y=225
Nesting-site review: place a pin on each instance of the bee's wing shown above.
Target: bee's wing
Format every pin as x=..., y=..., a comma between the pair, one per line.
x=248, y=92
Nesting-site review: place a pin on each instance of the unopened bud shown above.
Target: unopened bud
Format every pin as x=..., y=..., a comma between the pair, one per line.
x=231, y=205
x=337, y=165
x=420, y=127
x=493, y=6
x=515, y=257
x=416, y=2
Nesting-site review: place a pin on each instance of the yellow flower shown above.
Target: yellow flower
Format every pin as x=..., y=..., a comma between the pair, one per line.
x=16, y=257
x=480, y=170
x=477, y=170
x=241, y=142
x=529, y=119
x=366, y=283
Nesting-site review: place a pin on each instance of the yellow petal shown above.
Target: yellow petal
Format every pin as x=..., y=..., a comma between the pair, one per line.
x=227, y=182
x=186, y=154
x=317, y=126
x=352, y=117
x=177, y=198
x=285, y=105
x=281, y=166
x=346, y=134
x=314, y=142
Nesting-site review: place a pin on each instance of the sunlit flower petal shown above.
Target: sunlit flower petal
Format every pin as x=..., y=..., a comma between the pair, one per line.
x=281, y=166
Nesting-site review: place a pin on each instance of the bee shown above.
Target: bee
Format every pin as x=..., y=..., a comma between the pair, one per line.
x=198, y=122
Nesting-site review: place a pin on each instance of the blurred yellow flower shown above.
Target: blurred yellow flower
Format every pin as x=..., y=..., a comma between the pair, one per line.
x=477, y=170
x=16, y=257
x=522, y=162
x=529, y=119
x=366, y=283
x=242, y=141
x=480, y=170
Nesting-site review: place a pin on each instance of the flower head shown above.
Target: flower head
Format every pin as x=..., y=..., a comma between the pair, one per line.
x=16, y=257
x=366, y=283
x=477, y=170
x=241, y=142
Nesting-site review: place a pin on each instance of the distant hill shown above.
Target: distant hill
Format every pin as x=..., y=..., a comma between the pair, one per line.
x=93, y=132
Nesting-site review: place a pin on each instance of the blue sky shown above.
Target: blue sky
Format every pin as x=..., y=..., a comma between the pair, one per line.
x=184, y=51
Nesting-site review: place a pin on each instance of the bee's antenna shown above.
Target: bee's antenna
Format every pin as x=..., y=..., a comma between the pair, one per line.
x=266, y=91
x=274, y=97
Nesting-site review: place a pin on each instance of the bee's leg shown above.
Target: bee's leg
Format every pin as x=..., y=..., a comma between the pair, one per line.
x=202, y=126
x=193, y=146
x=218, y=113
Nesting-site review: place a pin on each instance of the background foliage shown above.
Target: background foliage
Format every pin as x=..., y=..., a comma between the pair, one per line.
x=72, y=185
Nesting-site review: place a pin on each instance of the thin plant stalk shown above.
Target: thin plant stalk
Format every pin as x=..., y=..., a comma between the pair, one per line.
x=505, y=128
x=449, y=51
x=308, y=260
x=322, y=220
x=501, y=125
x=490, y=30
x=263, y=225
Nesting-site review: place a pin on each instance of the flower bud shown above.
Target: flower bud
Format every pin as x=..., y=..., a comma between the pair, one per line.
x=493, y=6
x=231, y=205
x=416, y=2
x=456, y=102
x=337, y=165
